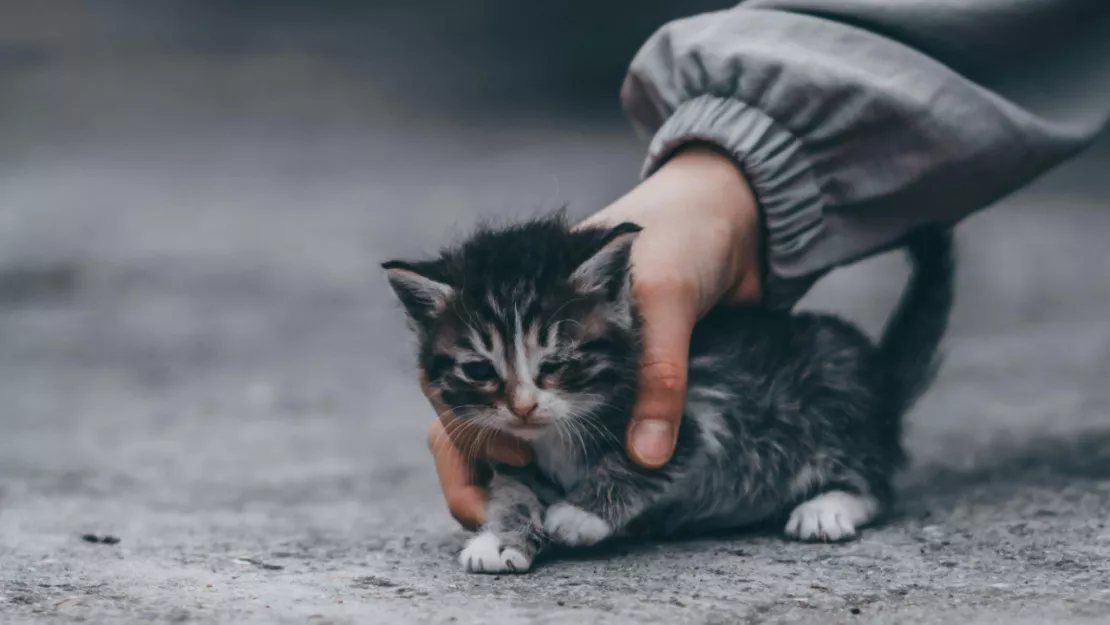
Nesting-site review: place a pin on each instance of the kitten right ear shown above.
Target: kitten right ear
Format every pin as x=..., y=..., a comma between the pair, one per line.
x=607, y=268
x=420, y=287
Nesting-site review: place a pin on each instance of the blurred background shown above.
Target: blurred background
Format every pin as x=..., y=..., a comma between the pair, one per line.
x=199, y=355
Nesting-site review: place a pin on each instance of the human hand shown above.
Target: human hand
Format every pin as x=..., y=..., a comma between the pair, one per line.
x=456, y=449
x=699, y=247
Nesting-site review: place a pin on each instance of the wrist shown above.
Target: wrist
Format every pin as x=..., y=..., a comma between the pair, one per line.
x=718, y=190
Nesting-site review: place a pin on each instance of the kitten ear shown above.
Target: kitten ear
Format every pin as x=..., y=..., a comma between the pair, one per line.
x=420, y=287
x=607, y=268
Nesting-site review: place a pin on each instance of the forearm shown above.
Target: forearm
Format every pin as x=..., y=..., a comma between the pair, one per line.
x=848, y=138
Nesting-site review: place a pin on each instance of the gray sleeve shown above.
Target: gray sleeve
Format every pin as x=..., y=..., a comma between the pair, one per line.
x=854, y=121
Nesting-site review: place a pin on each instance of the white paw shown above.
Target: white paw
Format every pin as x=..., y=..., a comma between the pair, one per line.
x=572, y=526
x=832, y=516
x=485, y=554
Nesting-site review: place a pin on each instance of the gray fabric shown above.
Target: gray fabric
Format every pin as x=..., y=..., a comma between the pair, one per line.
x=854, y=120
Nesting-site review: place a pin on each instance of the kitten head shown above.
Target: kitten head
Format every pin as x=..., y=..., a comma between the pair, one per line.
x=529, y=327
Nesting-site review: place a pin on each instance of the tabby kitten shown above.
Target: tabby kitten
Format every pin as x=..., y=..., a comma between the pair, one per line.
x=531, y=330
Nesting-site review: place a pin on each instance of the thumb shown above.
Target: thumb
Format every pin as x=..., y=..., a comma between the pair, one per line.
x=668, y=322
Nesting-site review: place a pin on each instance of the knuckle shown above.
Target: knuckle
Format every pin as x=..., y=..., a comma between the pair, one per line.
x=464, y=521
x=664, y=376
x=457, y=504
x=662, y=285
x=461, y=509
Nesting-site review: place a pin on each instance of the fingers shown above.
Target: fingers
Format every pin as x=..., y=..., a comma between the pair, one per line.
x=455, y=448
x=477, y=443
x=669, y=315
x=457, y=478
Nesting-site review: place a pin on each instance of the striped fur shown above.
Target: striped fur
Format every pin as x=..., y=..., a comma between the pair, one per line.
x=531, y=329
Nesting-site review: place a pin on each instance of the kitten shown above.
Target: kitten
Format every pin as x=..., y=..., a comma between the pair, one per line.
x=531, y=330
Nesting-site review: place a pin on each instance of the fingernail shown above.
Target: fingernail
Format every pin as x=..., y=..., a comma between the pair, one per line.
x=652, y=441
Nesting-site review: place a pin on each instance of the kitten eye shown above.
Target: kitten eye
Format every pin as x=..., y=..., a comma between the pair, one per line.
x=479, y=371
x=551, y=368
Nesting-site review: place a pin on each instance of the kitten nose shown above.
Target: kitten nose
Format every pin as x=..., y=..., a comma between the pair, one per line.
x=523, y=408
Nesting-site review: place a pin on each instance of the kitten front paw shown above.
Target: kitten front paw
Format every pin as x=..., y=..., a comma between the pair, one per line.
x=830, y=517
x=572, y=526
x=485, y=553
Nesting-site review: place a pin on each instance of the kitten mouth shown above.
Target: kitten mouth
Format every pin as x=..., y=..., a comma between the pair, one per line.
x=527, y=430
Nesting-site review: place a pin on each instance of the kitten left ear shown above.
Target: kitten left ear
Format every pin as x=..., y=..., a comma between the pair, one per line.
x=608, y=267
x=420, y=288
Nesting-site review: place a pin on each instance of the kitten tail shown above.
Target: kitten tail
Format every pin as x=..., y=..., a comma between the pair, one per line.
x=910, y=344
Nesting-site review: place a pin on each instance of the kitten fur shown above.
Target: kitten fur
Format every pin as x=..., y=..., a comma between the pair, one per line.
x=530, y=329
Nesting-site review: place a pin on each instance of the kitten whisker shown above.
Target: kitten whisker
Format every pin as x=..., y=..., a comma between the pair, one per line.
x=457, y=428
x=564, y=305
x=797, y=416
x=592, y=421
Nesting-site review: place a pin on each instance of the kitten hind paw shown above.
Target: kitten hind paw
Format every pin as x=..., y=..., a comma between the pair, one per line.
x=572, y=526
x=485, y=553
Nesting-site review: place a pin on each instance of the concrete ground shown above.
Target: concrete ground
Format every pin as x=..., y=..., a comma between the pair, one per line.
x=199, y=357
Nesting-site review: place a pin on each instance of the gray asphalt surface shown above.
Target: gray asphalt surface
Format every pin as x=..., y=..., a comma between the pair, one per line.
x=199, y=356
